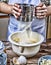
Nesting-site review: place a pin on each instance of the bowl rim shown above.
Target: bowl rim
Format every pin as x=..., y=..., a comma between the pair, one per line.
x=39, y=60
x=27, y=45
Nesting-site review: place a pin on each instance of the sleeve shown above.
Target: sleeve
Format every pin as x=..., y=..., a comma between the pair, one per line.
x=11, y=2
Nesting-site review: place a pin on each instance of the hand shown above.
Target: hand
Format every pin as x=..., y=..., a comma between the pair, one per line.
x=16, y=10
x=41, y=11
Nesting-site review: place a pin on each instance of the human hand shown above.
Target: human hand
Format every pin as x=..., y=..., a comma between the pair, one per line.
x=41, y=11
x=16, y=10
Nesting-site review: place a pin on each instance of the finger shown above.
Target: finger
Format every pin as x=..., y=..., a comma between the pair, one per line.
x=41, y=14
x=40, y=17
x=40, y=5
x=16, y=9
x=41, y=11
x=16, y=5
x=15, y=16
x=16, y=13
x=41, y=8
x=44, y=7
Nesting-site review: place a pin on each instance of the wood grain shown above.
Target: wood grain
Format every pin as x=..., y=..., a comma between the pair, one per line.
x=44, y=50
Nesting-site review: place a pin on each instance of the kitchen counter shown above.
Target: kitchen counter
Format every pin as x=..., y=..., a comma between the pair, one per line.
x=44, y=50
x=4, y=15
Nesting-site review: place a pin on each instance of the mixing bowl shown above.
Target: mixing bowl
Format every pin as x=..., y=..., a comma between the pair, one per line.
x=45, y=60
x=27, y=44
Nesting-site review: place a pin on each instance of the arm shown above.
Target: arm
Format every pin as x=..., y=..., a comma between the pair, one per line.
x=49, y=10
x=42, y=11
x=5, y=8
x=10, y=9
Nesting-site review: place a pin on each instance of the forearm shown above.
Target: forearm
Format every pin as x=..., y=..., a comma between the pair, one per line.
x=48, y=10
x=5, y=8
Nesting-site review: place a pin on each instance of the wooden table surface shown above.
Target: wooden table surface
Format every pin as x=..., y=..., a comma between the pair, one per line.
x=44, y=50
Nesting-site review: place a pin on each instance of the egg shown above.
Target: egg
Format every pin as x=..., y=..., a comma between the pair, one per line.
x=22, y=60
x=15, y=61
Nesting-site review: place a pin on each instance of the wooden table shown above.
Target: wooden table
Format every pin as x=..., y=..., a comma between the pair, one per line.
x=44, y=50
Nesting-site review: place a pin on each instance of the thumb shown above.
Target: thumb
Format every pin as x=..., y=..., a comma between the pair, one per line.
x=40, y=5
